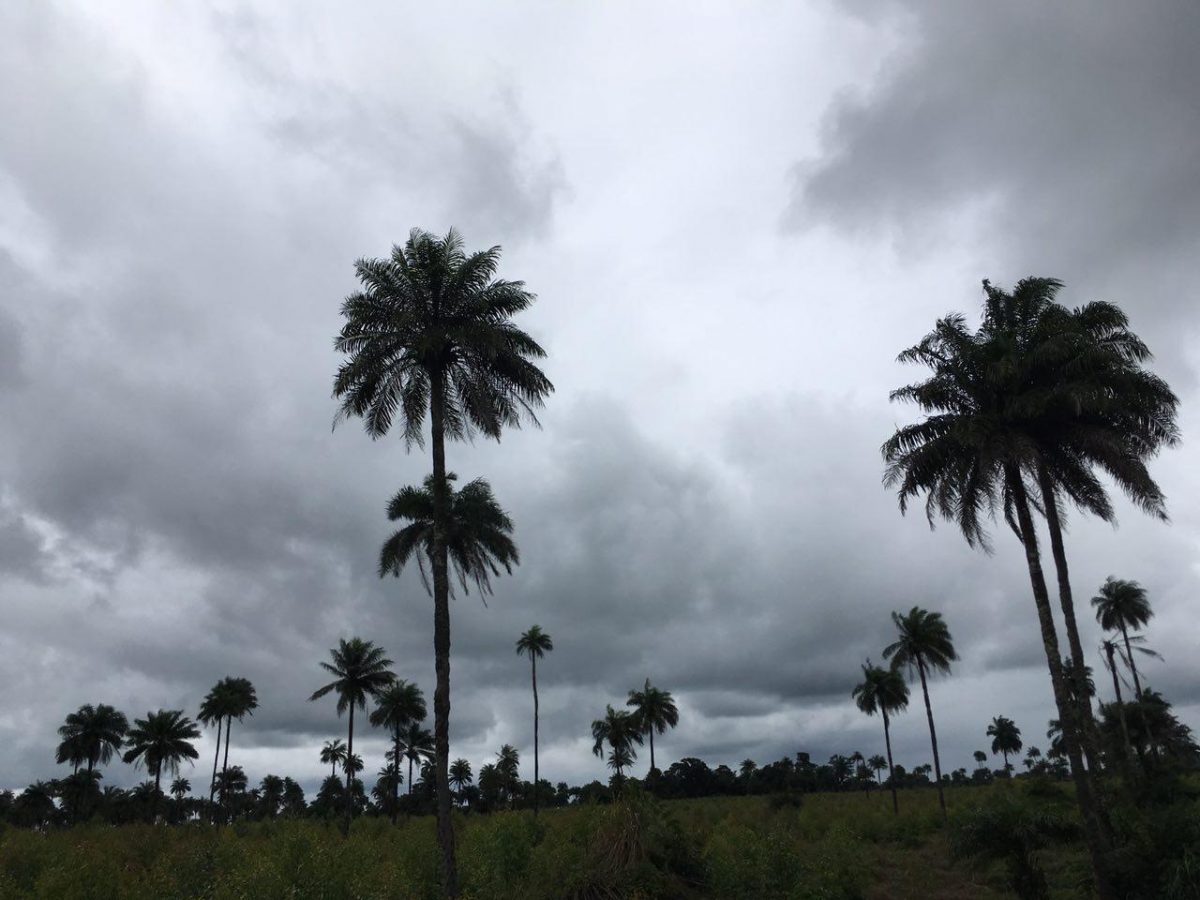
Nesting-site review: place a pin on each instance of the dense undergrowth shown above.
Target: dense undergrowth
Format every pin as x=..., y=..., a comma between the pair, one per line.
x=828, y=847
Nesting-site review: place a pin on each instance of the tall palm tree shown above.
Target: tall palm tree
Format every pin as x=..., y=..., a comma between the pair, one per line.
x=238, y=700
x=160, y=741
x=416, y=745
x=1120, y=606
x=397, y=706
x=975, y=451
x=1006, y=737
x=655, y=711
x=333, y=754
x=620, y=729
x=213, y=709
x=460, y=775
x=91, y=735
x=877, y=764
x=923, y=645
x=883, y=691
x=432, y=330
x=535, y=644
x=360, y=670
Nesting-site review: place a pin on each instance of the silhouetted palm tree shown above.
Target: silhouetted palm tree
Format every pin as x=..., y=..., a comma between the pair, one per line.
x=360, y=670
x=508, y=762
x=432, y=330
x=535, y=644
x=161, y=740
x=620, y=759
x=979, y=448
x=620, y=729
x=655, y=711
x=877, y=764
x=180, y=788
x=460, y=775
x=238, y=700
x=1120, y=606
x=924, y=645
x=415, y=745
x=980, y=758
x=883, y=691
x=91, y=735
x=1006, y=737
x=398, y=706
x=212, y=710
x=333, y=754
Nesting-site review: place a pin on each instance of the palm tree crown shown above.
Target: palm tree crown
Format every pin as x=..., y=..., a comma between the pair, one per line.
x=1005, y=735
x=91, y=735
x=924, y=642
x=478, y=535
x=655, y=711
x=534, y=643
x=360, y=670
x=162, y=740
x=881, y=691
x=1122, y=605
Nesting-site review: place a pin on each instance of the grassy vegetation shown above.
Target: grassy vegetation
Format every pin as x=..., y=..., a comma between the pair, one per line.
x=842, y=846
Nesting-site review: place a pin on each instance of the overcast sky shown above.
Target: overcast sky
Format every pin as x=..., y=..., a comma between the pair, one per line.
x=734, y=216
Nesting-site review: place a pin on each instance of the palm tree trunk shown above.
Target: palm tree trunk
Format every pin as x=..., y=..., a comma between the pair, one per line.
x=212, y=787
x=396, y=774
x=157, y=785
x=1109, y=650
x=887, y=741
x=1098, y=840
x=1089, y=737
x=1137, y=687
x=651, y=732
x=410, y=765
x=349, y=774
x=225, y=764
x=441, y=635
x=937, y=762
x=533, y=661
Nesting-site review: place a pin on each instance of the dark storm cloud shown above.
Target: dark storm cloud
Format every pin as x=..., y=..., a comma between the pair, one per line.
x=1069, y=128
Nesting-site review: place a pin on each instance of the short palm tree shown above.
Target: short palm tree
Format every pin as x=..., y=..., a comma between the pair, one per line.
x=460, y=775
x=877, y=764
x=360, y=670
x=535, y=644
x=508, y=762
x=397, y=706
x=333, y=754
x=655, y=710
x=160, y=741
x=415, y=745
x=620, y=759
x=1006, y=737
x=91, y=735
x=1123, y=606
x=432, y=330
x=980, y=758
x=923, y=646
x=883, y=691
x=620, y=729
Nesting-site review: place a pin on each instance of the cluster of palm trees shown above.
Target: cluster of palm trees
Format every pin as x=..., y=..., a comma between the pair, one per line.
x=1023, y=416
x=652, y=710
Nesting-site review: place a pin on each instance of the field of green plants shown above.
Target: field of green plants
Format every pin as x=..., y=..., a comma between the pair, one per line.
x=819, y=847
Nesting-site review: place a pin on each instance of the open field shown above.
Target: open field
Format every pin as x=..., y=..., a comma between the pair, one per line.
x=830, y=847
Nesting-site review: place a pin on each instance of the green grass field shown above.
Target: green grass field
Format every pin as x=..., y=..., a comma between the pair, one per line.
x=831, y=847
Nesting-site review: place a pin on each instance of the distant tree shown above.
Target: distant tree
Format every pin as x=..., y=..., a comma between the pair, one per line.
x=397, y=707
x=360, y=670
x=91, y=735
x=238, y=699
x=508, y=762
x=270, y=796
x=180, y=788
x=212, y=711
x=980, y=758
x=333, y=754
x=460, y=775
x=655, y=710
x=1122, y=606
x=535, y=644
x=34, y=807
x=293, y=799
x=877, y=764
x=1006, y=737
x=1033, y=756
x=923, y=646
x=746, y=772
x=620, y=729
x=160, y=741
x=883, y=691
x=620, y=758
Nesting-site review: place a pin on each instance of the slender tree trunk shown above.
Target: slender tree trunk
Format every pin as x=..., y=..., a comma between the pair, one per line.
x=441, y=635
x=887, y=742
x=212, y=787
x=349, y=775
x=225, y=764
x=1112, y=665
x=651, y=731
x=1089, y=736
x=332, y=768
x=533, y=662
x=157, y=790
x=396, y=774
x=937, y=762
x=1098, y=841
x=1137, y=687
x=410, y=778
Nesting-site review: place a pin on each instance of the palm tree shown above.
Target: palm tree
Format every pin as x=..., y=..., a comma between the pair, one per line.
x=360, y=670
x=333, y=753
x=212, y=710
x=924, y=645
x=620, y=759
x=535, y=644
x=270, y=795
x=161, y=740
x=1120, y=606
x=432, y=330
x=883, y=691
x=238, y=699
x=180, y=788
x=655, y=710
x=1006, y=737
x=397, y=706
x=508, y=762
x=415, y=744
x=91, y=735
x=460, y=775
x=1032, y=755
x=980, y=447
x=621, y=729
x=877, y=764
